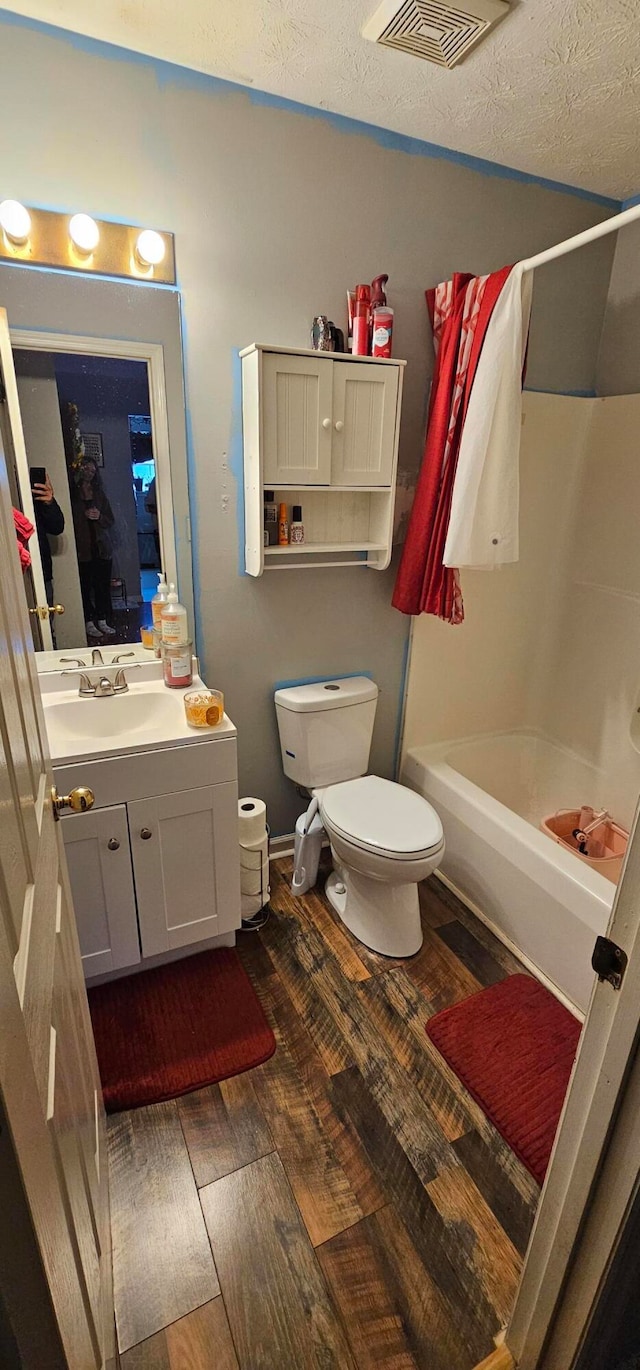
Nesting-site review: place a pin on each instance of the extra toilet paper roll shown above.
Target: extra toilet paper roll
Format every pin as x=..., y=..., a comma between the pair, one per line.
x=252, y=820
x=254, y=867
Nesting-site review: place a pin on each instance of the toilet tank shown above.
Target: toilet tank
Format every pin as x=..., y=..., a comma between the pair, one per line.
x=326, y=730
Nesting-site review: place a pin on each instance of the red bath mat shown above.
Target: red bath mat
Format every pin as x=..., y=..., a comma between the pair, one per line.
x=167, y=1031
x=513, y=1046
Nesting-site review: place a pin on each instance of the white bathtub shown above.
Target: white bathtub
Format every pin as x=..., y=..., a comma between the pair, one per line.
x=543, y=901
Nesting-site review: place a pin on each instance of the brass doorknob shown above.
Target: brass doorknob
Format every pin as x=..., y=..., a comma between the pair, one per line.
x=43, y=610
x=79, y=800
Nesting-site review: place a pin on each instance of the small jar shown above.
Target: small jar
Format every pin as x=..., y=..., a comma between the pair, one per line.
x=204, y=708
x=146, y=637
x=176, y=664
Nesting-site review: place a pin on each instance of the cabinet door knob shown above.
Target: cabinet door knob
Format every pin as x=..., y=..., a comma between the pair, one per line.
x=326, y=423
x=113, y=844
x=339, y=425
x=145, y=834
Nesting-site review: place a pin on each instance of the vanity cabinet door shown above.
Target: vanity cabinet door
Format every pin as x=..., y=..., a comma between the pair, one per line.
x=186, y=866
x=296, y=419
x=365, y=402
x=99, y=859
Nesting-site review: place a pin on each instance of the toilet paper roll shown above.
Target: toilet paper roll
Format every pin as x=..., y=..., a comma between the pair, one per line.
x=252, y=858
x=255, y=882
x=252, y=820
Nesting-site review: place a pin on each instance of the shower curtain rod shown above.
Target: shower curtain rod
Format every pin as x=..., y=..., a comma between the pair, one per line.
x=628, y=216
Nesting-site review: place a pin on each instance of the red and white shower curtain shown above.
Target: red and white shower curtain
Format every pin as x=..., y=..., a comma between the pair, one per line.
x=460, y=311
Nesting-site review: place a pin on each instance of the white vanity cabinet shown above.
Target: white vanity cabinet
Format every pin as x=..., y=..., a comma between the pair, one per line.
x=320, y=429
x=154, y=866
x=99, y=861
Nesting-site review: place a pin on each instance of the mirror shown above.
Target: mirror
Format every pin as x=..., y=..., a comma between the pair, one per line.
x=99, y=448
x=92, y=473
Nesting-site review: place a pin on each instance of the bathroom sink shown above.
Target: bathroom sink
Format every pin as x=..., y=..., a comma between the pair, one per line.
x=147, y=716
x=113, y=716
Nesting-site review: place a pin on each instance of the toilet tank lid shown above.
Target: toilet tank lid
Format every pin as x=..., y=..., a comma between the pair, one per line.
x=326, y=694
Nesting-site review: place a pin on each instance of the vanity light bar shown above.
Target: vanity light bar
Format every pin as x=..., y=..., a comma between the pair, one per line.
x=76, y=242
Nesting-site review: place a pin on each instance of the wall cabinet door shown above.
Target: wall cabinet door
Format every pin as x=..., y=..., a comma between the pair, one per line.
x=186, y=866
x=99, y=860
x=364, y=421
x=297, y=419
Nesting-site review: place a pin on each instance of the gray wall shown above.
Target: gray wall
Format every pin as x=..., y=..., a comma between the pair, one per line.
x=618, y=370
x=276, y=212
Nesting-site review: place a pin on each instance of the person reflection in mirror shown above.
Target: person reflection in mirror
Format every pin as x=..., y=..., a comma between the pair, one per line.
x=49, y=523
x=92, y=520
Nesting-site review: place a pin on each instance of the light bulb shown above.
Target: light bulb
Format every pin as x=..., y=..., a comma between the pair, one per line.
x=15, y=220
x=150, y=247
x=84, y=232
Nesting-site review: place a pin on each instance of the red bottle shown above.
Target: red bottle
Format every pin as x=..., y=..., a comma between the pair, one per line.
x=361, y=321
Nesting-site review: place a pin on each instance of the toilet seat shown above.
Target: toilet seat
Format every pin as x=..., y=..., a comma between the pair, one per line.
x=382, y=817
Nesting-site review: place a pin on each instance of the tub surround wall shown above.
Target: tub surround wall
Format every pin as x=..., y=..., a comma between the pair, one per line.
x=272, y=208
x=552, y=643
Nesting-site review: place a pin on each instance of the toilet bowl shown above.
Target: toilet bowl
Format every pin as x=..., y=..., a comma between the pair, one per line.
x=384, y=840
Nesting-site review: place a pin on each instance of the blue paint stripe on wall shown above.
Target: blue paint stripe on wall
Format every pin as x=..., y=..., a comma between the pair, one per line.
x=168, y=74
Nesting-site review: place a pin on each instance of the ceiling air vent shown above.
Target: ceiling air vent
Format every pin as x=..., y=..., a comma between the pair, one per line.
x=432, y=29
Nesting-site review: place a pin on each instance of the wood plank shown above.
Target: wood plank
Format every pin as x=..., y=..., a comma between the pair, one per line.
x=412, y=1121
x=435, y=1242
x=321, y=1187
x=472, y=953
x=200, y=1341
x=393, y=1312
x=340, y=1135
x=279, y=937
x=162, y=1261
x=278, y=1306
x=436, y=970
x=435, y=907
x=501, y=953
x=314, y=908
x=224, y=1128
x=485, y=1255
x=494, y=1179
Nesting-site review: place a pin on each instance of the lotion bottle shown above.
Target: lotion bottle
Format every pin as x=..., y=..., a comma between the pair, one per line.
x=174, y=619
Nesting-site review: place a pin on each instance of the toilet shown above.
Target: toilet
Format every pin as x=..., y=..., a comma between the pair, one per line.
x=384, y=838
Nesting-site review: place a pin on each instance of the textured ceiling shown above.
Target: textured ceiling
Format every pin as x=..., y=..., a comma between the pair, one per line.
x=554, y=90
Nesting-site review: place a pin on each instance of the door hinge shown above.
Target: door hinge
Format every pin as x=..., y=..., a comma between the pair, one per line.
x=609, y=961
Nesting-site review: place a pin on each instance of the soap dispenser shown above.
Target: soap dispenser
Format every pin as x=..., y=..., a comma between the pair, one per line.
x=159, y=599
x=173, y=619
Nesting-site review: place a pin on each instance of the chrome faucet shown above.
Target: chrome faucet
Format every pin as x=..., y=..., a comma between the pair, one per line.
x=96, y=657
x=104, y=687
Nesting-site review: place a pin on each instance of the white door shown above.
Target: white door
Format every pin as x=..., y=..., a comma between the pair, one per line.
x=296, y=418
x=15, y=451
x=365, y=404
x=99, y=861
x=186, y=869
x=49, y=1083
x=597, y=1085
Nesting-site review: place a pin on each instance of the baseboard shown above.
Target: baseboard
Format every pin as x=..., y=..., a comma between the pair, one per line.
x=501, y=1359
x=281, y=846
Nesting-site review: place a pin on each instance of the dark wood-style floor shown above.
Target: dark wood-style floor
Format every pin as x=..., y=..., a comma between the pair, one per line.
x=347, y=1204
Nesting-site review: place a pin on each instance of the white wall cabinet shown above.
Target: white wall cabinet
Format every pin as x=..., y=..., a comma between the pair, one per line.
x=154, y=866
x=321, y=429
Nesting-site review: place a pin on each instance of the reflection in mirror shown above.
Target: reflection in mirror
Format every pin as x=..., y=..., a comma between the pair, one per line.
x=92, y=471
